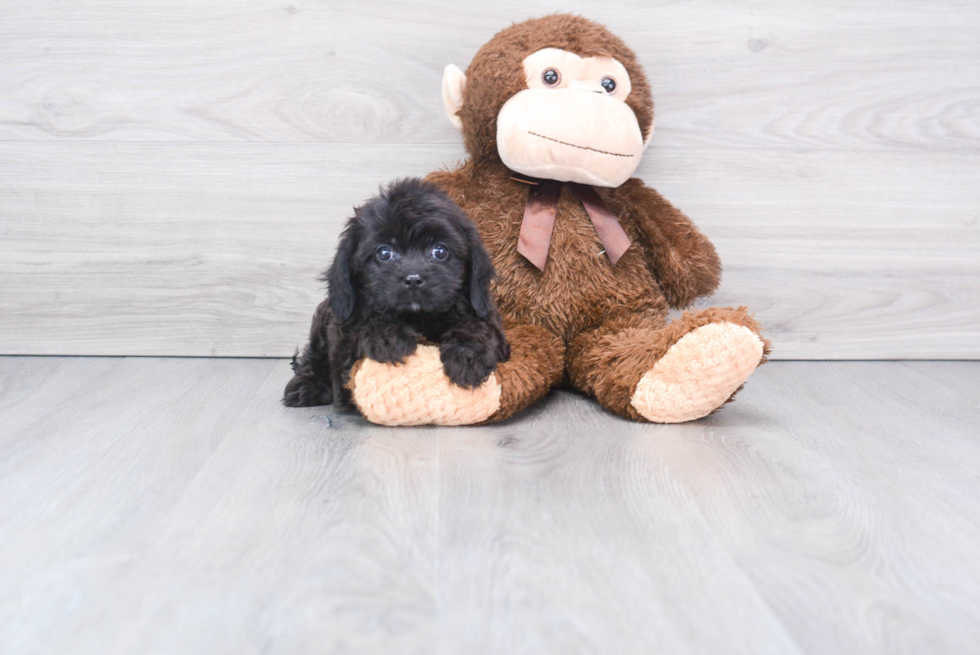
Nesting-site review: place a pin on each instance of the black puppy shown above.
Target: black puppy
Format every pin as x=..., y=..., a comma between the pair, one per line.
x=410, y=265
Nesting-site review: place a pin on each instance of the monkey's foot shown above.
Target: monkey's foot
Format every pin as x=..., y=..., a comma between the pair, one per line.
x=418, y=392
x=699, y=373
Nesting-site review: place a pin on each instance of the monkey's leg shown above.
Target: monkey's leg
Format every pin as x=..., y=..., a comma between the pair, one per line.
x=671, y=373
x=419, y=393
x=536, y=364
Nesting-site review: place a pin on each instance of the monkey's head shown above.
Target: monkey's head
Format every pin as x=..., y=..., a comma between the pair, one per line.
x=558, y=97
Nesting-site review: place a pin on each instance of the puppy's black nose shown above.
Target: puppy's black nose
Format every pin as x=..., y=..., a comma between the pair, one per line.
x=413, y=281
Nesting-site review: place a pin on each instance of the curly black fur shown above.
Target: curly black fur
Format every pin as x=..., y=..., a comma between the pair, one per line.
x=431, y=283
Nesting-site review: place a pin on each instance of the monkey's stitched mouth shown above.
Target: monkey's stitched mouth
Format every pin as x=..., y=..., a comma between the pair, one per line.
x=565, y=143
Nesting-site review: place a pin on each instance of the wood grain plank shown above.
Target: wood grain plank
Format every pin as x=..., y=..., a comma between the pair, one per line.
x=172, y=505
x=213, y=249
x=960, y=376
x=157, y=241
x=311, y=531
x=863, y=471
x=97, y=453
x=562, y=531
x=306, y=532
x=202, y=516
x=842, y=255
x=894, y=75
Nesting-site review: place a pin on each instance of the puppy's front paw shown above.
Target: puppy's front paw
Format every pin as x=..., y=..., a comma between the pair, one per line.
x=305, y=391
x=389, y=344
x=468, y=363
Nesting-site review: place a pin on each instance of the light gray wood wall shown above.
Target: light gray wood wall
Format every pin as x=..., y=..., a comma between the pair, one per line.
x=174, y=174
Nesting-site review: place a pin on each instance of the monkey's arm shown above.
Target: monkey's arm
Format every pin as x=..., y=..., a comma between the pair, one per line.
x=681, y=258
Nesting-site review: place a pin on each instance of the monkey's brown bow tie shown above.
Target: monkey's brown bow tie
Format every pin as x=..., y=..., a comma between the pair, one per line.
x=539, y=220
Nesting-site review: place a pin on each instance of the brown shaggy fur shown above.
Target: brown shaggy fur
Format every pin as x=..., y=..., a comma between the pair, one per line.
x=598, y=327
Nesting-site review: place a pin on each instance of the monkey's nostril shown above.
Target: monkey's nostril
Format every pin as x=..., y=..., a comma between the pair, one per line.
x=413, y=281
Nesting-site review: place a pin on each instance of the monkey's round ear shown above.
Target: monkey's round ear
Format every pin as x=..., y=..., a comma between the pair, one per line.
x=453, y=83
x=649, y=138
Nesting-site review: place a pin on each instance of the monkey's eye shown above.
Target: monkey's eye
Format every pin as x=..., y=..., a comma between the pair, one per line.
x=440, y=251
x=384, y=253
x=609, y=84
x=551, y=77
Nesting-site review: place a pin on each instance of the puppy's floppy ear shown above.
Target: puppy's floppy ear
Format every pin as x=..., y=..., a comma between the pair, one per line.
x=339, y=277
x=481, y=270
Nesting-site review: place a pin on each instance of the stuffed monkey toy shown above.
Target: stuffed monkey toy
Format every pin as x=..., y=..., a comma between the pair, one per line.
x=555, y=113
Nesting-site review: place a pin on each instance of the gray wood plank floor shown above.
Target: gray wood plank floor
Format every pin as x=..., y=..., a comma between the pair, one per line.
x=173, y=506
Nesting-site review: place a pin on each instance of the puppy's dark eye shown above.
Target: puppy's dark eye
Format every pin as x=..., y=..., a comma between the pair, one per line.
x=609, y=84
x=440, y=251
x=384, y=253
x=551, y=77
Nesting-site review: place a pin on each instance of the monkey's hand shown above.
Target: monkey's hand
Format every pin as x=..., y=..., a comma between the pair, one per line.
x=681, y=258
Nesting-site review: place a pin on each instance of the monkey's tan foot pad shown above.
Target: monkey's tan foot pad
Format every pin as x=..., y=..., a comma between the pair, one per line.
x=698, y=373
x=417, y=392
